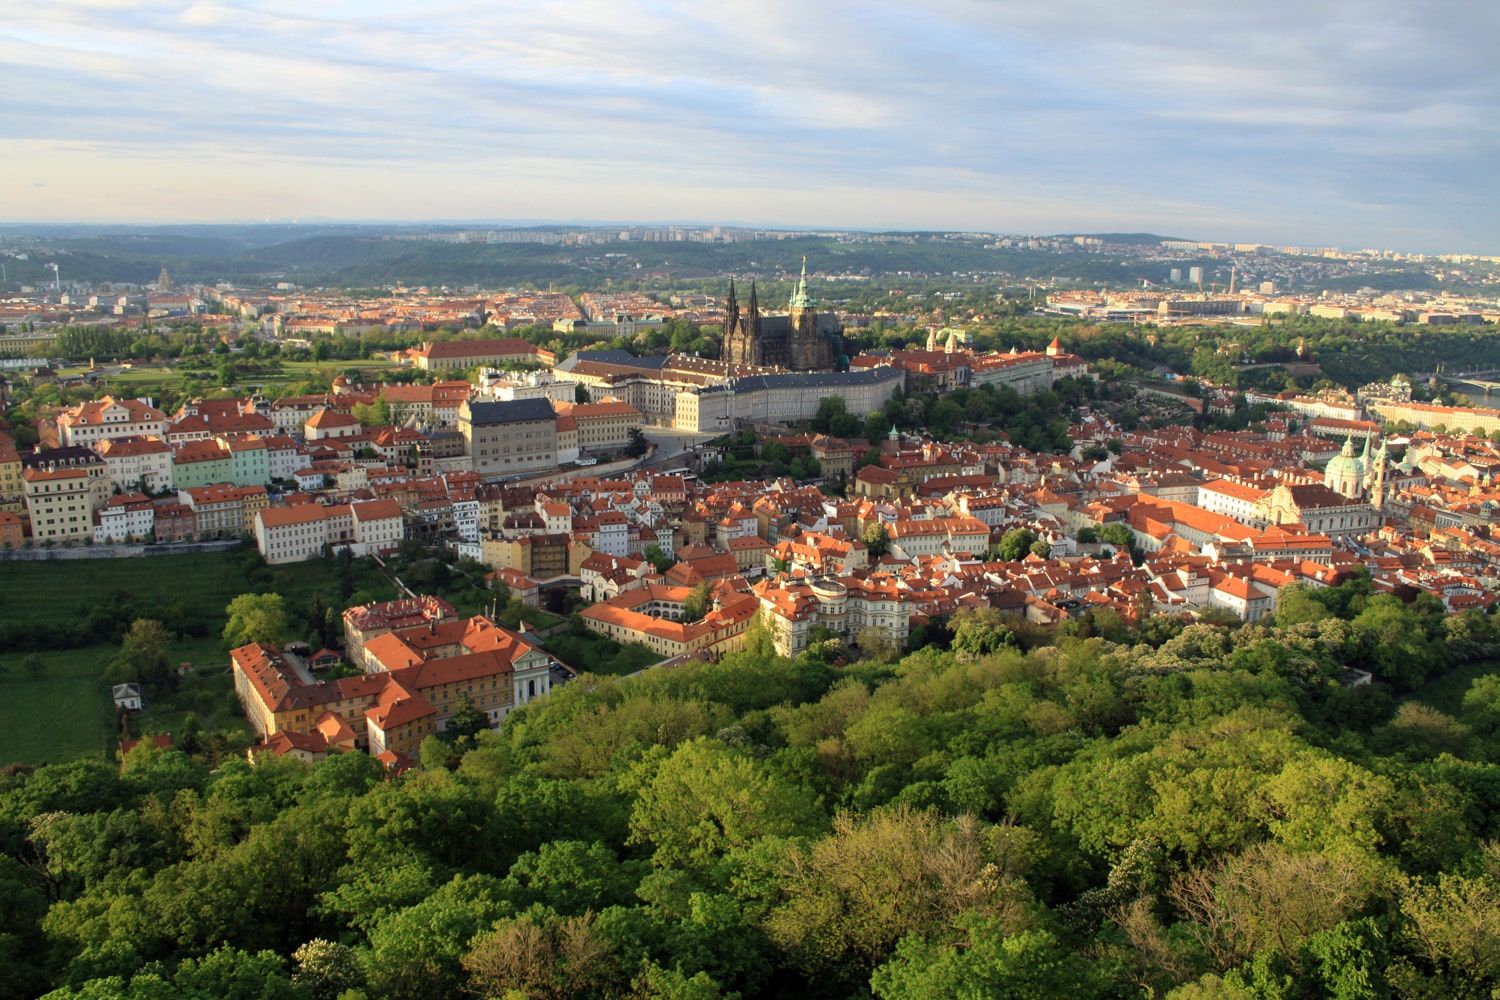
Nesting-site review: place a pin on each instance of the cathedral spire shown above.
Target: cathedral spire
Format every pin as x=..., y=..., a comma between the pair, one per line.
x=800, y=299
x=754, y=306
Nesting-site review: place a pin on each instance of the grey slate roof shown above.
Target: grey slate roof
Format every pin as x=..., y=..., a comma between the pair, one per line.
x=818, y=380
x=614, y=357
x=509, y=411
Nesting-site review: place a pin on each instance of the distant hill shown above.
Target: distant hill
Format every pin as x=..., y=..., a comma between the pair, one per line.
x=375, y=255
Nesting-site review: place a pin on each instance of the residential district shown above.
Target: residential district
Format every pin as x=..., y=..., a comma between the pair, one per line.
x=593, y=475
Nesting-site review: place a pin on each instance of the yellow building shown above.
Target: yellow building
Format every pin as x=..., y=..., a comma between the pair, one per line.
x=60, y=504
x=603, y=426
x=12, y=490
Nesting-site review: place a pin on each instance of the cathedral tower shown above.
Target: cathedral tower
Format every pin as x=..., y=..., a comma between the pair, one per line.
x=809, y=349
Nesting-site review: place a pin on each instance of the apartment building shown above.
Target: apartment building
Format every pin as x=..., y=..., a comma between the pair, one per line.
x=127, y=517
x=76, y=457
x=201, y=462
x=107, y=418
x=12, y=489
x=1232, y=499
x=249, y=459
x=369, y=621
x=849, y=607
x=604, y=426
x=137, y=462
x=299, y=532
x=327, y=424
x=60, y=504
x=221, y=509
x=938, y=535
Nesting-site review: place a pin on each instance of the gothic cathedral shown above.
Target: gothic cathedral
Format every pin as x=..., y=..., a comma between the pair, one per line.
x=802, y=340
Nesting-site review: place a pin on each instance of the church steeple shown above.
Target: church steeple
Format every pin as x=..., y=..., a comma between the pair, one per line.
x=754, y=305
x=731, y=321
x=800, y=298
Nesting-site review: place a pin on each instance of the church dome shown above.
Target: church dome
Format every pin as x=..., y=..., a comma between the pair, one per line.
x=1344, y=473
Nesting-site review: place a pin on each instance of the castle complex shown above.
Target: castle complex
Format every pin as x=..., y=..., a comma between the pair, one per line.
x=801, y=340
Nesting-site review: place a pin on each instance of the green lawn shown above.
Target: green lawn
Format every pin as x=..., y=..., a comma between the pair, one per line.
x=52, y=592
x=66, y=712
x=1446, y=693
x=589, y=653
x=55, y=591
x=174, y=375
x=514, y=614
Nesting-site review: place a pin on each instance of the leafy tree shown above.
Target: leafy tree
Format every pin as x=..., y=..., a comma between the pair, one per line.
x=34, y=665
x=325, y=969
x=1272, y=898
x=254, y=618
x=657, y=558
x=376, y=414
x=466, y=720
x=981, y=631
x=705, y=800
x=1014, y=544
x=1120, y=536
x=697, y=603
x=143, y=655
x=1452, y=925
x=852, y=896
x=1481, y=706
x=544, y=958
x=1032, y=965
x=877, y=542
x=829, y=409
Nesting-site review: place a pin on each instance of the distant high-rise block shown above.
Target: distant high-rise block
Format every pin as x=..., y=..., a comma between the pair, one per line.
x=1176, y=276
x=1195, y=275
x=1268, y=288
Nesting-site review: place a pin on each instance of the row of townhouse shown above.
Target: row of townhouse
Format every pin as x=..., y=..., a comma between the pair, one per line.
x=197, y=512
x=299, y=532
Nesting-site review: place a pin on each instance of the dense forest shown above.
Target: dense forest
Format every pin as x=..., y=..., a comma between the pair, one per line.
x=1169, y=809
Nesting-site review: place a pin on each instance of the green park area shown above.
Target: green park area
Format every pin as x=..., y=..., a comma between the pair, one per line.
x=271, y=377
x=586, y=652
x=1446, y=691
x=61, y=623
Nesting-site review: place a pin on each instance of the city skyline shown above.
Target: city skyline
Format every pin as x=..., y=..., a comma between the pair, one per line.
x=1314, y=125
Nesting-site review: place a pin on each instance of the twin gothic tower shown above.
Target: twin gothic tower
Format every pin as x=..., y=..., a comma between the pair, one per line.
x=801, y=340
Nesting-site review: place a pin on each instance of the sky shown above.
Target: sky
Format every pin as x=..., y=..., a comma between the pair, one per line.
x=1361, y=123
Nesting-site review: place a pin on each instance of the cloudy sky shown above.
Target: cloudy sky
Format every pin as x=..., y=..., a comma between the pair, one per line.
x=1358, y=123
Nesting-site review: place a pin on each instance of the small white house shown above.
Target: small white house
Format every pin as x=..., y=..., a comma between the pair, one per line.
x=128, y=697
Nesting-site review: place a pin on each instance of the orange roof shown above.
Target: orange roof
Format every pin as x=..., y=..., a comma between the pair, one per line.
x=128, y=447
x=44, y=475
x=376, y=510
x=281, y=517
x=330, y=418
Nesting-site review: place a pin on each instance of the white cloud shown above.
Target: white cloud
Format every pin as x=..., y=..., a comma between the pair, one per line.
x=1290, y=120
